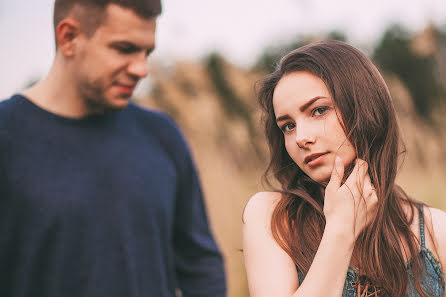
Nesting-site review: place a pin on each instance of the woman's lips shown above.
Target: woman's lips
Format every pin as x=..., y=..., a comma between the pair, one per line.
x=316, y=159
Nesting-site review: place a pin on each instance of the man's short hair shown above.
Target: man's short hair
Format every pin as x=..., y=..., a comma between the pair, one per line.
x=90, y=13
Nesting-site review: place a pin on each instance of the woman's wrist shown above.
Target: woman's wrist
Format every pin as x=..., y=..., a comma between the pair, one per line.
x=340, y=234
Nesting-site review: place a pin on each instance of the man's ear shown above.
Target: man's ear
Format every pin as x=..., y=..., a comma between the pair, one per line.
x=67, y=34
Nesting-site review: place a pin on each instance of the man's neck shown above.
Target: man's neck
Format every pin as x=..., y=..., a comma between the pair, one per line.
x=57, y=94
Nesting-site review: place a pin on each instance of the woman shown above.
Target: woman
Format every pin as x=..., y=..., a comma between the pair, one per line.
x=338, y=225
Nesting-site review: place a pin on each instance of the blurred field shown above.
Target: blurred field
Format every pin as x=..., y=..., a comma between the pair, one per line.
x=215, y=105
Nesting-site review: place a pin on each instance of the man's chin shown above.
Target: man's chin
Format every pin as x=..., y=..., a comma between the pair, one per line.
x=108, y=105
x=122, y=101
x=117, y=104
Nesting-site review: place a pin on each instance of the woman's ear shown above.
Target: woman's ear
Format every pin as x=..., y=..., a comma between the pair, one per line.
x=67, y=33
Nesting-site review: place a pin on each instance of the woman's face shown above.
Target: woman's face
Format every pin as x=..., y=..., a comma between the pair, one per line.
x=305, y=112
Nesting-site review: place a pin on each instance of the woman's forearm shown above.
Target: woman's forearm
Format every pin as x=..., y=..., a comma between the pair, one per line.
x=327, y=273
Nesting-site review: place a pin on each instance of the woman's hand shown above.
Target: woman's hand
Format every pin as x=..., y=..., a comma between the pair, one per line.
x=351, y=206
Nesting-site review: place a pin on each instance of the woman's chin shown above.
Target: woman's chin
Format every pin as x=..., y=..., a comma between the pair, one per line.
x=321, y=177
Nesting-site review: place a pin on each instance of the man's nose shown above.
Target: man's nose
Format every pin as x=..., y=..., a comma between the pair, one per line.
x=138, y=67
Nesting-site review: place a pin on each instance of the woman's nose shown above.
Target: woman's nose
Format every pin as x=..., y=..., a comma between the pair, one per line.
x=304, y=136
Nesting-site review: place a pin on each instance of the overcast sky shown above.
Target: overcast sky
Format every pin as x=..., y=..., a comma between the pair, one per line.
x=188, y=29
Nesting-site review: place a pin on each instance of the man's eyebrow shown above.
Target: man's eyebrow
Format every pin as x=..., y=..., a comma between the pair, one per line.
x=302, y=108
x=150, y=50
x=132, y=45
x=123, y=42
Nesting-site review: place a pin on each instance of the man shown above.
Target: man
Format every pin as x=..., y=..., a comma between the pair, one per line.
x=99, y=197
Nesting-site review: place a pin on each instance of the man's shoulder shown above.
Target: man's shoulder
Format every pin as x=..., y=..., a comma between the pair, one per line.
x=6, y=107
x=159, y=124
x=6, y=104
x=151, y=116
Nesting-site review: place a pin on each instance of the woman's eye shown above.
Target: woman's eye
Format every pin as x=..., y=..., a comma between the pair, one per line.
x=318, y=111
x=287, y=127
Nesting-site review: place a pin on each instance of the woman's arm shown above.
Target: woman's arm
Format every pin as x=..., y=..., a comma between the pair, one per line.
x=270, y=270
x=272, y=273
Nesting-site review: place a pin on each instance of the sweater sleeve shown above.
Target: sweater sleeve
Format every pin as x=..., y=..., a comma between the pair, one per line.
x=199, y=264
x=198, y=261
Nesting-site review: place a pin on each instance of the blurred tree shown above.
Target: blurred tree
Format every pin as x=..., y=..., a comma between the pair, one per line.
x=271, y=55
x=159, y=98
x=441, y=58
x=395, y=54
x=31, y=82
x=337, y=35
x=234, y=106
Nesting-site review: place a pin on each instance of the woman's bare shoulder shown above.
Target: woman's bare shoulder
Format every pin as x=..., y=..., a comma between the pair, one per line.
x=270, y=270
x=437, y=218
x=436, y=226
x=260, y=206
x=436, y=214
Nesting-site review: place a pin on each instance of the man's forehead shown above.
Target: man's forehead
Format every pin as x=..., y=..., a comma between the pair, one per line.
x=118, y=17
x=123, y=24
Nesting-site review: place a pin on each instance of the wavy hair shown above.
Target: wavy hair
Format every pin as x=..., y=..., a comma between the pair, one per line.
x=364, y=105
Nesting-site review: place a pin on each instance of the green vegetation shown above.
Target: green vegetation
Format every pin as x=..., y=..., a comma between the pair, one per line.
x=271, y=55
x=419, y=73
x=233, y=105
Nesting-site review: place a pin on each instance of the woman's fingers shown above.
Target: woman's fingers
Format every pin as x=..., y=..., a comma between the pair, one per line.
x=336, y=176
x=368, y=189
x=355, y=182
x=353, y=204
x=370, y=197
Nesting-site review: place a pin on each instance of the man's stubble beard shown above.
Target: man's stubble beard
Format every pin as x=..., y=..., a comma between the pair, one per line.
x=94, y=98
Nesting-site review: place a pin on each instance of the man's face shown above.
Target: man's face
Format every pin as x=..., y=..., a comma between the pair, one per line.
x=109, y=64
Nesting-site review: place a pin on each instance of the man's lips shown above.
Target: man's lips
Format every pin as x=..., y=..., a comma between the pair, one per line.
x=315, y=159
x=126, y=89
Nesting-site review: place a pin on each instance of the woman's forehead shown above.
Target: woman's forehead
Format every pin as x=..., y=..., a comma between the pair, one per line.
x=295, y=90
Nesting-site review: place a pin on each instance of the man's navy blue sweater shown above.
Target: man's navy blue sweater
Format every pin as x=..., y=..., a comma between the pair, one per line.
x=104, y=206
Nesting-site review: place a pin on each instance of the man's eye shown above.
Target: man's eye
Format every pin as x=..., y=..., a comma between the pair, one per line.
x=287, y=127
x=125, y=49
x=318, y=111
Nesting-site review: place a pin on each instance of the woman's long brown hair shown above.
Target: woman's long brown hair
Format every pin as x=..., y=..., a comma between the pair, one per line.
x=364, y=105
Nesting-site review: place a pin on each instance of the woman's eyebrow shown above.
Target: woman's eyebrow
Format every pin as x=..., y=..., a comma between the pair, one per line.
x=310, y=102
x=302, y=108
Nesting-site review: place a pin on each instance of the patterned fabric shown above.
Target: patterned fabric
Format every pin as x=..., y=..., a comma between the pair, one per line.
x=432, y=277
